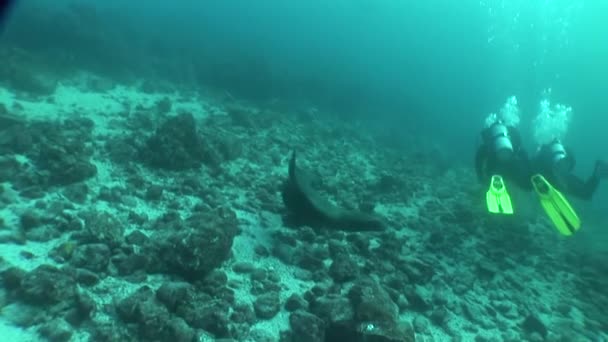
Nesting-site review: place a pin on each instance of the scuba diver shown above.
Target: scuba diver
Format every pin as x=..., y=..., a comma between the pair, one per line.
x=501, y=153
x=556, y=163
x=501, y=159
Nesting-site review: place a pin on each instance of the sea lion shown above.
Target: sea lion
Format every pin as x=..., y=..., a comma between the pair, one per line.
x=306, y=206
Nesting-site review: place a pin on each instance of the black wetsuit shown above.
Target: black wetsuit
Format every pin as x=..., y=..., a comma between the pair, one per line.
x=519, y=170
x=568, y=183
x=516, y=170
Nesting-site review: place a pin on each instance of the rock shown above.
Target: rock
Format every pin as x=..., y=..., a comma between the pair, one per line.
x=42, y=233
x=131, y=263
x=259, y=274
x=93, y=257
x=136, y=238
x=486, y=269
x=10, y=168
x=56, y=330
x=284, y=252
x=163, y=106
x=46, y=285
x=198, y=246
x=110, y=331
x=418, y=300
x=532, y=324
x=306, y=327
x=336, y=311
x=511, y=336
x=128, y=308
x=176, y=145
x=173, y=294
x=484, y=337
x=439, y=316
x=110, y=194
x=30, y=220
x=261, y=251
x=396, y=332
x=452, y=327
x=23, y=315
x=372, y=303
x=243, y=267
x=535, y=337
x=402, y=303
x=86, y=277
x=418, y=271
x=318, y=290
x=154, y=193
x=224, y=294
x=65, y=169
x=77, y=192
x=243, y=313
x=503, y=307
x=179, y=331
x=12, y=278
x=421, y=324
x=81, y=309
x=260, y=335
x=343, y=268
x=62, y=252
x=101, y=227
x=267, y=305
x=204, y=312
x=307, y=259
x=295, y=302
x=476, y=314
x=153, y=320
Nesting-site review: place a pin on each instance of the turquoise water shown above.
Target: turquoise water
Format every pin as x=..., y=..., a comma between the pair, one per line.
x=149, y=144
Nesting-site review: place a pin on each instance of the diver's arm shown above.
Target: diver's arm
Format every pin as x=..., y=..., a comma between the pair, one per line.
x=583, y=189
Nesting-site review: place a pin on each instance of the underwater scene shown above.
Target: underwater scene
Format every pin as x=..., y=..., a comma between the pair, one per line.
x=304, y=171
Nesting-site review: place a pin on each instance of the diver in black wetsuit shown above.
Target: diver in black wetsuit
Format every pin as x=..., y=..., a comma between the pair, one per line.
x=501, y=153
x=556, y=162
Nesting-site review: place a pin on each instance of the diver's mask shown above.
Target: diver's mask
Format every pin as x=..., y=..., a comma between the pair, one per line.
x=497, y=136
x=558, y=157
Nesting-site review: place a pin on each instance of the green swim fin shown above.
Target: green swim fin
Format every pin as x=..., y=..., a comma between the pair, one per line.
x=556, y=206
x=497, y=197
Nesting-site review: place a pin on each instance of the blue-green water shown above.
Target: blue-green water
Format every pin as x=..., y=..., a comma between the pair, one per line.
x=418, y=78
x=410, y=62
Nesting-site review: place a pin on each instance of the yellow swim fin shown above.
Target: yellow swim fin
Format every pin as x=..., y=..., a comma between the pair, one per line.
x=556, y=206
x=497, y=197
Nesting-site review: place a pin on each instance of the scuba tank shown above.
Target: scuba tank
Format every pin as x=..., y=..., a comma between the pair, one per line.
x=497, y=137
x=555, y=155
